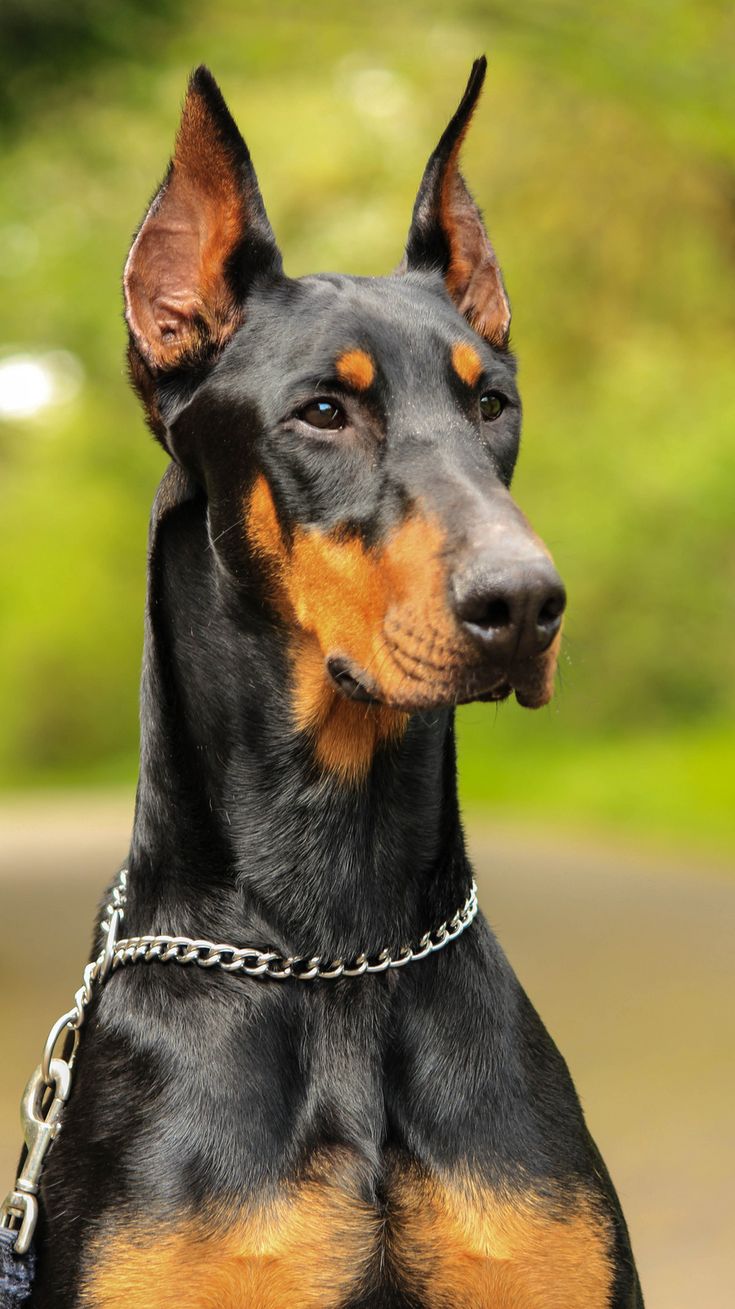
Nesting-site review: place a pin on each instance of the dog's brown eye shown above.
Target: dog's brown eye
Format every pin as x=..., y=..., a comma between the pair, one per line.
x=492, y=405
x=324, y=414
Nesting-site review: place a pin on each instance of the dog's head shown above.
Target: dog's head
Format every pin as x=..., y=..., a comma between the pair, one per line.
x=355, y=437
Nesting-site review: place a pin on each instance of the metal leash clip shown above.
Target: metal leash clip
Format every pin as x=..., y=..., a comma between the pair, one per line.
x=40, y=1128
x=41, y=1115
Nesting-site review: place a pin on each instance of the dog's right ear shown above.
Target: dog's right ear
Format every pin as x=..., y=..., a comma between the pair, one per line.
x=203, y=242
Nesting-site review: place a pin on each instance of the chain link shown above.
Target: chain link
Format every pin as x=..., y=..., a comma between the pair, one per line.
x=49, y=1087
x=267, y=963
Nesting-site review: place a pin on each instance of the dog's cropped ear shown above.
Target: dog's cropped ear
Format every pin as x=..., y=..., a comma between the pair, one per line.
x=447, y=231
x=202, y=243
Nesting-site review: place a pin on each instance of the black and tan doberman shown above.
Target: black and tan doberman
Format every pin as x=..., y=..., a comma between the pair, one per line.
x=335, y=563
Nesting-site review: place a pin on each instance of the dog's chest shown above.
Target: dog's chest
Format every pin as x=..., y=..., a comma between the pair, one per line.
x=448, y=1244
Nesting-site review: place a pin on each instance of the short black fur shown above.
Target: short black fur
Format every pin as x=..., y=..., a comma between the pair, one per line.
x=195, y=1087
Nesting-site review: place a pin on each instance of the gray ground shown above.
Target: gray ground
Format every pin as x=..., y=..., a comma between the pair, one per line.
x=628, y=959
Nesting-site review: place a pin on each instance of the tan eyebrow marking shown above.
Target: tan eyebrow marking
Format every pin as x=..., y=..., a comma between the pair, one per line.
x=466, y=362
x=355, y=368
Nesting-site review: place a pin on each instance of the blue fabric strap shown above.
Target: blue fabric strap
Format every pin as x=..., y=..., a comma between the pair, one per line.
x=16, y=1272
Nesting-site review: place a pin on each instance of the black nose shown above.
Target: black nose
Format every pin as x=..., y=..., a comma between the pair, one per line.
x=515, y=611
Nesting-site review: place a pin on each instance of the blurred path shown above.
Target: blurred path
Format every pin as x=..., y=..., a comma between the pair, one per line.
x=628, y=959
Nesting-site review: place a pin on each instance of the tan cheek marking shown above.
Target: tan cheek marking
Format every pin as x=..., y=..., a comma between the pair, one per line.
x=310, y=1246
x=261, y=523
x=500, y=1251
x=356, y=369
x=335, y=595
x=466, y=362
x=331, y=593
x=346, y=735
x=340, y=593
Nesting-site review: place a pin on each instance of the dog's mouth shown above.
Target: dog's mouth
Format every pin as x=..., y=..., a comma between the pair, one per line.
x=494, y=695
x=487, y=686
x=351, y=682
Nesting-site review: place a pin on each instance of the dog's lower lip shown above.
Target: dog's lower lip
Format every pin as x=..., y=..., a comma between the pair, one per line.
x=346, y=681
x=499, y=692
x=350, y=681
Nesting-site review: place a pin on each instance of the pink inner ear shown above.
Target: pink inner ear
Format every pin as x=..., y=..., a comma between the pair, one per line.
x=175, y=286
x=176, y=291
x=473, y=278
x=482, y=300
x=160, y=282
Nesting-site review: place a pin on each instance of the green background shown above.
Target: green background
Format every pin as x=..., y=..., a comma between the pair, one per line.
x=603, y=158
x=602, y=828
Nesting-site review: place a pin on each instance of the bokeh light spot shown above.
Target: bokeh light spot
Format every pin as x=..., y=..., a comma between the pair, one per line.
x=30, y=384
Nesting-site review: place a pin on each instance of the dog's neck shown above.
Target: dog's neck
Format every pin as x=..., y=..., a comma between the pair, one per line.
x=238, y=835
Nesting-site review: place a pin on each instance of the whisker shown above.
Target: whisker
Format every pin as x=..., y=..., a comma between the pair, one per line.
x=213, y=539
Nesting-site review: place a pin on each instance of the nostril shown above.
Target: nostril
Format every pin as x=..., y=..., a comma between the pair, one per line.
x=551, y=611
x=496, y=614
x=485, y=611
x=548, y=618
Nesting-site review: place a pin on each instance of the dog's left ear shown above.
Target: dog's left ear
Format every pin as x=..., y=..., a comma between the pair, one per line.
x=447, y=231
x=202, y=243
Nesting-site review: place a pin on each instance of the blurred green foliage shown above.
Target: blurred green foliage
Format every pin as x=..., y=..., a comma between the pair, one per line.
x=44, y=45
x=603, y=155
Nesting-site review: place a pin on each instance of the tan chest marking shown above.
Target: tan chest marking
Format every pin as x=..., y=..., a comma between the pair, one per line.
x=317, y=1243
x=311, y=1246
x=465, y=1247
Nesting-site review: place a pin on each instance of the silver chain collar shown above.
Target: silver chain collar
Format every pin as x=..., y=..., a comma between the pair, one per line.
x=49, y=1087
x=267, y=963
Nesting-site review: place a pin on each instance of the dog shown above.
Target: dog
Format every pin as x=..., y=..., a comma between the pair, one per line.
x=335, y=562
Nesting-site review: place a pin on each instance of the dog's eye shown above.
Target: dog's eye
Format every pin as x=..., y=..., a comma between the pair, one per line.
x=325, y=414
x=492, y=404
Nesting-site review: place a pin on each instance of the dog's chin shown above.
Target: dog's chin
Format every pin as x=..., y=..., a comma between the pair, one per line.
x=532, y=699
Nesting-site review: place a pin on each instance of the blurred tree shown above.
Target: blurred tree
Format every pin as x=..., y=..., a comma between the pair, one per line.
x=603, y=154
x=44, y=46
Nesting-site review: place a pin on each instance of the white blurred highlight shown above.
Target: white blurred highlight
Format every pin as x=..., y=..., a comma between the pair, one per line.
x=31, y=384
x=377, y=93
